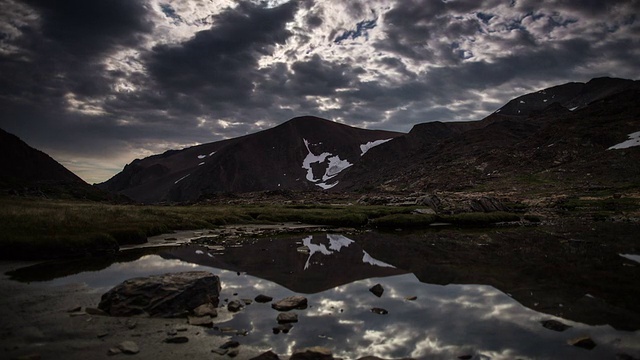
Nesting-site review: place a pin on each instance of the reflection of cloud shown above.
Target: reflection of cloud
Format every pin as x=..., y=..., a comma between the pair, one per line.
x=445, y=321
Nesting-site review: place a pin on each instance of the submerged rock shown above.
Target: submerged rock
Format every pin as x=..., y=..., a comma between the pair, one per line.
x=554, y=325
x=285, y=318
x=379, y=311
x=377, y=290
x=290, y=303
x=263, y=298
x=167, y=295
x=235, y=306
x=583, y=342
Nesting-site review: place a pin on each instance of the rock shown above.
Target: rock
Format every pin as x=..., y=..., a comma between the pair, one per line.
x=554, y=325
x=75, y=309
x=290, y=303
x=284, y=328
x=377, y=290
x=431, y=201
x=263, y=299
x=465, y=357
x=95, y=311
x=205, y=309
x=583, y=342
x=411, y=298
x=313, y=353
x=285, y=318
x=102, y=334
x=220, y=351
x=379, y=311
x=114, y=351
x=162, y=295
x=205, y=321
x=247, y=301
x=230, y=344
x=235, y=306
x=172, y=332
x=131, y=324
x=427, y=211
x=233, y=353
x=269, y=355
x=129, y=347
x=176, y=340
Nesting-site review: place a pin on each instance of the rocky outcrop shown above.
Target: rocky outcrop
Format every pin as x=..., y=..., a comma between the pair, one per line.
x=168, y=295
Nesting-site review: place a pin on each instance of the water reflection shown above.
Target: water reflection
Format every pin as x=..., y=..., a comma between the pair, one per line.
x=329, y=260
x=444, y=322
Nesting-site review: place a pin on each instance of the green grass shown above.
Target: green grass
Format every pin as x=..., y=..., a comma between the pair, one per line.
x=38, y=228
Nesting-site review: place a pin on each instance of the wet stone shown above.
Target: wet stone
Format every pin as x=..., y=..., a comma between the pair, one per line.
x=205, y=321
x=230, y=344
x=205, y=309
x=290, y=303
x=177, y=340
x=235, y=306
x=284, y=328
x=379, y=311
x=583, y=342
x=128, y=347
x=554, y=325
x=377, y=290
x=285, y=318
x=263, y=298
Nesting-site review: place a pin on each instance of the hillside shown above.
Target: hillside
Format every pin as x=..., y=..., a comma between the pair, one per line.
x=28, y=171
x=529, y=145
x=305, y=153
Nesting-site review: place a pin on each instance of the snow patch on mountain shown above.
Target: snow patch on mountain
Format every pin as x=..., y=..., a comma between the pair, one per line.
x=375, y=262
x=182, y=178
x=335, y=166
x=634, y=140
x=202, y=156
x=371, y=144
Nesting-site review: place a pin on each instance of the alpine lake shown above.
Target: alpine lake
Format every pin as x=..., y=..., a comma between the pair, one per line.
x=449, y=293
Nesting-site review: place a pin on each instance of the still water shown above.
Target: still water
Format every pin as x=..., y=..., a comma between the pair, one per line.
x=335, y=273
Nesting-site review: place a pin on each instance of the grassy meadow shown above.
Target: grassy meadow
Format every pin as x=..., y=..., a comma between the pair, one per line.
x=35, y=228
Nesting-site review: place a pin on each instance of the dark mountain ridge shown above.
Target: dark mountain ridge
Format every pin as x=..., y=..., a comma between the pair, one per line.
x=526, y=143
x=28, y=171
x=304, y=153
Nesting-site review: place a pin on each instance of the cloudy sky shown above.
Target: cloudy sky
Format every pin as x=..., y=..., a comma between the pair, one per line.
x=99, y=83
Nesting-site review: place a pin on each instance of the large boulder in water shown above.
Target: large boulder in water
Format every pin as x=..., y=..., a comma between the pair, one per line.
x=168, y=295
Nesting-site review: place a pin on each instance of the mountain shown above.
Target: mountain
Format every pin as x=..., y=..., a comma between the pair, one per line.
x=304, y=153
x=29, y=171
x=555, y=140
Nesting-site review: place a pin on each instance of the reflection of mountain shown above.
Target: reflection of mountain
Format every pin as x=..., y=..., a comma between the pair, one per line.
x=332, y=260
x=545, y=269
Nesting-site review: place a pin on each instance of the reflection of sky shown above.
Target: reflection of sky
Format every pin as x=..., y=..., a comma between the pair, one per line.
x=443, y=323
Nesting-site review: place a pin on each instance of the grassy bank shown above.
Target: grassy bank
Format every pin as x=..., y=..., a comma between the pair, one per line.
x=37, y=228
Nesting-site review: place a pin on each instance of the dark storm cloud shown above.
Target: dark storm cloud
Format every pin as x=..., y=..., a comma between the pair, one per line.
x=364, y=63
x=87, y=28
x=220, y=61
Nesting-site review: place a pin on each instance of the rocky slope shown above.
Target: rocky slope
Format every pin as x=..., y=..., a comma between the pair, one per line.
x=555, y=140
x=302, y=154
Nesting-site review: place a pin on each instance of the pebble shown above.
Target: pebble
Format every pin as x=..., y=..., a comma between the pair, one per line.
x=176, y=340
x=129, y=347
